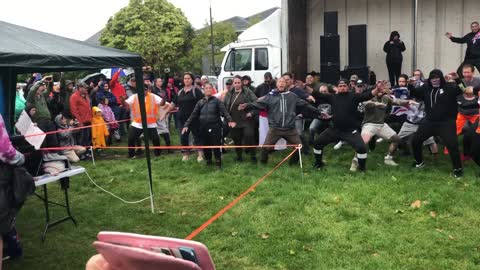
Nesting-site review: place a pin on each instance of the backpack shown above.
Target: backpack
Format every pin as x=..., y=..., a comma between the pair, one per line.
x=194, y=91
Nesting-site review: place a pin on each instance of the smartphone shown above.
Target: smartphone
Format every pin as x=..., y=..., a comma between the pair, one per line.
x=188, y=254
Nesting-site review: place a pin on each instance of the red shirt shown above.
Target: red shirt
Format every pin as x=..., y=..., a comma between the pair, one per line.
x=80, y=108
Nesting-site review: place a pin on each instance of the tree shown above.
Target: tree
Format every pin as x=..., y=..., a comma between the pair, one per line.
x=155, y=29
x=223, y=34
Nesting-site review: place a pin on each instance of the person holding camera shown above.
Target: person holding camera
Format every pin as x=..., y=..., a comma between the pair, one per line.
x=38, y=97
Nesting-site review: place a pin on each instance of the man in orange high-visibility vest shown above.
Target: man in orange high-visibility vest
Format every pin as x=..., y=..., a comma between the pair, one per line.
x=152, y=103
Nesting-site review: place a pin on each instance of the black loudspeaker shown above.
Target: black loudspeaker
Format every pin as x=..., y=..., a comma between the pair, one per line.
x=330, y=23
x=357, y=45
x=330, y=49
x=329, y=73
x=363, y=73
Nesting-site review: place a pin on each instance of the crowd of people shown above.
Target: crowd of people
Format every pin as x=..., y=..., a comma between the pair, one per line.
x=417, y=111
x=409, y=112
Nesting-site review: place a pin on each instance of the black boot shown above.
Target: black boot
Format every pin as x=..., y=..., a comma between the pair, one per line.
x=218, y=163
x=318, y=161
x=362, y=164
x=264, y=157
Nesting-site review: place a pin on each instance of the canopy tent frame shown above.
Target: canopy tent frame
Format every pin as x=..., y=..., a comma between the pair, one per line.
x=24, y=50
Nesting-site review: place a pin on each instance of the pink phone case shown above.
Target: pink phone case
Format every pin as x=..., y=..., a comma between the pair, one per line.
x=132, y=251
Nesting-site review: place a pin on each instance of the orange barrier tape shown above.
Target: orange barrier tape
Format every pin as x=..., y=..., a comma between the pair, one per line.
x=175, y=147
x=230, y=205
x=72, y=129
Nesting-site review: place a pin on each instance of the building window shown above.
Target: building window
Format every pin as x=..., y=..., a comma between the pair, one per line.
x=239, y=60
x=261, y=59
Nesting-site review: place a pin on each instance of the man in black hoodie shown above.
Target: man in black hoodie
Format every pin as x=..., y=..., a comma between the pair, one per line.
x=440, y=100
x=394, y=48
x=472, y=39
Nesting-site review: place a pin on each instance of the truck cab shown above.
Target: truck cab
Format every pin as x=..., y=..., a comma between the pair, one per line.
x=257, y=51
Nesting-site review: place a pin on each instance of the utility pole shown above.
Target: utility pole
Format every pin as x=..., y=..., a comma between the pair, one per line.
x=211, y=41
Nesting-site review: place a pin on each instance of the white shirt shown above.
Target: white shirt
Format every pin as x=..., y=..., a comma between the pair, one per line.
x=129, y=101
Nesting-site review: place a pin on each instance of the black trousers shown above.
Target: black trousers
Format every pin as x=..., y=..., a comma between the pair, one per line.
x=474, y=62
x=134, y=135
x=446, y=130
x=394, y=71
x=211, y=136
x=332, y=135
x=244, y=136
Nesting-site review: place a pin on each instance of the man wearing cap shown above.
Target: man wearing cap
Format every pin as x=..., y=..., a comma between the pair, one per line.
x=353, y=82
x=344, y=126
x=359, y=88
x=80, y=108
x=374, y=120
x=152, y=103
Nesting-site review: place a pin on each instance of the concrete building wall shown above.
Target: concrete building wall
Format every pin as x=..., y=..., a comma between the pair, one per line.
x=435, y=17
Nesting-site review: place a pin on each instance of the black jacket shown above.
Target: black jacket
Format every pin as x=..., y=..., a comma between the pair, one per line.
x=394, y=51
x=281, y=108
x=264, y=89
x=440, y=103
x=344, y=108
x=208, y=111
x=186, y=101
x=473, y=47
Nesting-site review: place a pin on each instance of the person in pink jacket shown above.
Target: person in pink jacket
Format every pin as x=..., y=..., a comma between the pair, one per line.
x=8, y=156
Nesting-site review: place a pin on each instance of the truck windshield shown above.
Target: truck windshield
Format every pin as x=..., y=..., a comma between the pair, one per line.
x=239, y=60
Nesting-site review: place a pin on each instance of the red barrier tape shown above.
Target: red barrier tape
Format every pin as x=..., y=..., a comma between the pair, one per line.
x=230, y=205
x=72, y=129
x=176, y=147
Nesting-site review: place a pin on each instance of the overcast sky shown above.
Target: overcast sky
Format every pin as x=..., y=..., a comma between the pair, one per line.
x=80, y=19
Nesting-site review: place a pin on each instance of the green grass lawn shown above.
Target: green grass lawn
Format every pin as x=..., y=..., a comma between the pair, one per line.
x=329, y=219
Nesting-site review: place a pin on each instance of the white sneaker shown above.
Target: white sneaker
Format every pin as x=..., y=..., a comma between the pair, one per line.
x=379, y=140
x=390, y=161
x=200, y=159
x=185, y=158
x=338, y=145
x=354, y=166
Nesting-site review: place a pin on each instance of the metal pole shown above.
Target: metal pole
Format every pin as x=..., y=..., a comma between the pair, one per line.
x=211, y=41
x=299, y=149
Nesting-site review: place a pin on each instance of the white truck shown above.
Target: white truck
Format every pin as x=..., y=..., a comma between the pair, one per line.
x=257, y=50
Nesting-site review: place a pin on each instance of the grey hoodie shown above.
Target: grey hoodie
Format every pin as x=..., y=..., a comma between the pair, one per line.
x=64, y=138
x=281, y=108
